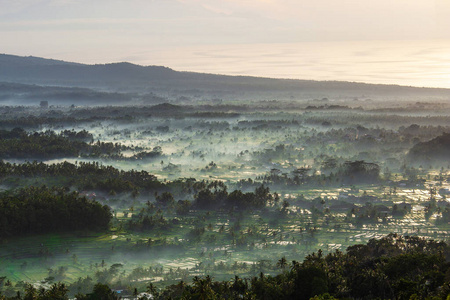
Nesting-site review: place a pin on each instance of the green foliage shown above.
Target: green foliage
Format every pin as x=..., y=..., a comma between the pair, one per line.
x=165, y=199
x=85, y=175
x=100, y=292
x=41, y=209
x=258, y=199
x=361, y=171
x=393, y=267
x=432, y=150
x=19, y=144
x=58, y=291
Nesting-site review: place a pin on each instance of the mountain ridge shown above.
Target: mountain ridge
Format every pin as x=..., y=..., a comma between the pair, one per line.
x=129, y=77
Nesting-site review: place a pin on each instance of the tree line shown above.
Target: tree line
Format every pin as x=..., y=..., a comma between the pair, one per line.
x=84, y=175
x=393, y=267
x=17, y=143
x=34, y=210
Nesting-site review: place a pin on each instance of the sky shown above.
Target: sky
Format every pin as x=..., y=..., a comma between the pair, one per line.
x=309, y=39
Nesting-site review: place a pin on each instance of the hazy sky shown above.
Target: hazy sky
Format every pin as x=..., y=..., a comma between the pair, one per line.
x=142, y=31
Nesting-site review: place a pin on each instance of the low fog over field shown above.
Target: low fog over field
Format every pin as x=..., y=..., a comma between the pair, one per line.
x=189, y=174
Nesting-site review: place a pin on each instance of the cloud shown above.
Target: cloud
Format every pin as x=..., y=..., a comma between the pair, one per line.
x=217, y=10
x=63, y=2
x=13, y=7
x=172, y=23
x=443, y=13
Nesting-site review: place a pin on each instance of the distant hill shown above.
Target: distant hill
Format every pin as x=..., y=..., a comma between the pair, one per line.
x=435, y=150
x=55, y=72
x=26, y=94
x=16, y=61
x=130, y=78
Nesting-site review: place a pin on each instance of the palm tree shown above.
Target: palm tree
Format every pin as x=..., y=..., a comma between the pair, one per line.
x=30, y=292
x=282, y=263
x=202, y=288
x=151, y=289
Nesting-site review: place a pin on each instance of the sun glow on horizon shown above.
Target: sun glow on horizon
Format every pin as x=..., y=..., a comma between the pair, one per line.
x=226, y=36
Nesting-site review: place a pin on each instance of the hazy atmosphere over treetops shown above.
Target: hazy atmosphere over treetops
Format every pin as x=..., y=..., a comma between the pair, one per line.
x=396, y=42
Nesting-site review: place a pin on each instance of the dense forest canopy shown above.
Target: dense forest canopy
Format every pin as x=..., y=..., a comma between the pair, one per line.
x=36, y=210
x=436, y=149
